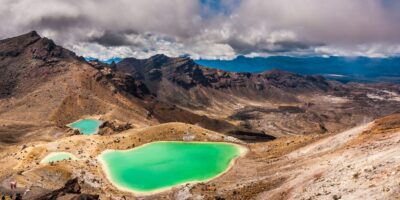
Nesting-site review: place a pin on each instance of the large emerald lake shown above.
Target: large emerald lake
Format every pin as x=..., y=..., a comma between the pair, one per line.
x=160, y=165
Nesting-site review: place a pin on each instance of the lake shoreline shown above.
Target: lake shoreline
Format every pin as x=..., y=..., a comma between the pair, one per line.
x=82, y=132
x=53, y=154
x=242, y=152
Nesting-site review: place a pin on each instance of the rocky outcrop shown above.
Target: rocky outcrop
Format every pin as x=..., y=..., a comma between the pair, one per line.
x=71, y=132
x=115, y=126
x=155, y=74
x=120, y=81
x=70, y=191
x=127, y=83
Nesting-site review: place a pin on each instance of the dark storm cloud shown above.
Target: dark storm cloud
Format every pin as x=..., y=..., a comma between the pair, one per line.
x=110, y=39
x=59, y=22
x=209, y=28
x=275, y=47
x=286, y=46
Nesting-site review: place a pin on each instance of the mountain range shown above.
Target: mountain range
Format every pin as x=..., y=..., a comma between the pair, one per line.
x=344, y=69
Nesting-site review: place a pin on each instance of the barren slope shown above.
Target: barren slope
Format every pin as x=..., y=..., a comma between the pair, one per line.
x=44, y=86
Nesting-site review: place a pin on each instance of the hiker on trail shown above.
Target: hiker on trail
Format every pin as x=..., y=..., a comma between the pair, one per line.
x=13, y=185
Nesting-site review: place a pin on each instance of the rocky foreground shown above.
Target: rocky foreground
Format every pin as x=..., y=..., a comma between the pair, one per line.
x=361, y=163
x=308, y=137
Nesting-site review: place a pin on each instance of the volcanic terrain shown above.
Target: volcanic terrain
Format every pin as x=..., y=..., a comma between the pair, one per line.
x=307, y=137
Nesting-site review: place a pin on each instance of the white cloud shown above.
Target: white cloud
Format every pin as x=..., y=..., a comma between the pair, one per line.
x=101, y=52
x=377, y=50
x=141, y=28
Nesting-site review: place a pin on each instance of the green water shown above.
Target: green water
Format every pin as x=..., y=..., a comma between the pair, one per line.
x=160, y=165
x=58, y=156
x=87, y=126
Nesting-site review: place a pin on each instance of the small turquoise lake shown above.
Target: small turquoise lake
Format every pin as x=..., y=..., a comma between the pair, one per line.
x=58, y=156
x=161, y=165
x=86, y=126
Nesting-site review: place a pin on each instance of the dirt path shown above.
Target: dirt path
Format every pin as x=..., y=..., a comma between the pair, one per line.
x=330, y=143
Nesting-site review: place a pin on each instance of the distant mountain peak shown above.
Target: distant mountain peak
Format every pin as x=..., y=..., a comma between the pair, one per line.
x=33, y=34
x=159, y=56
x=32, y=45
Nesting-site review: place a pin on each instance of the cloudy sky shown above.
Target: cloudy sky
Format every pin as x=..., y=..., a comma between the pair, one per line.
x=210, y=28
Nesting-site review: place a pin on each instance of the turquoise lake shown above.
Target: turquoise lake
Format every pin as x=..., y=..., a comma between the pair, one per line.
x=161, y=165
x=58, y=156
x=86, y=126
